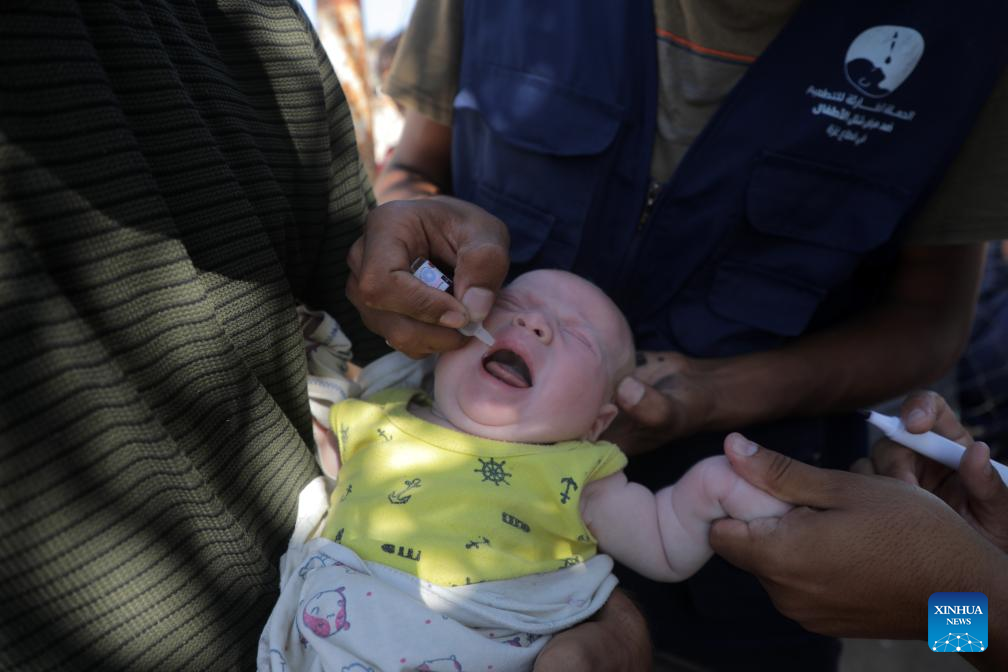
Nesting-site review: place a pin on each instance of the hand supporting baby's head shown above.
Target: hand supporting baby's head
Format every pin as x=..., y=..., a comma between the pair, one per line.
x=561, y=347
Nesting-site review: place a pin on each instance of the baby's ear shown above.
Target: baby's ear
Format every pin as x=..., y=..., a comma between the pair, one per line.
x=602, y=421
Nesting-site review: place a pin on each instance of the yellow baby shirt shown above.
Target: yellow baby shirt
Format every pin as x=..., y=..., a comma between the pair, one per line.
x=452, y=508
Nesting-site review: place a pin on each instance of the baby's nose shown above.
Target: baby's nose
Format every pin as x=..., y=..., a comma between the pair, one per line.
x=535, y=323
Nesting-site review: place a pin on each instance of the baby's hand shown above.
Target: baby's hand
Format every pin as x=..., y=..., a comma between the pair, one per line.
x=744, y=501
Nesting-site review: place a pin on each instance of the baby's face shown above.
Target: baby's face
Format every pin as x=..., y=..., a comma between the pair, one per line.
x=550, y=375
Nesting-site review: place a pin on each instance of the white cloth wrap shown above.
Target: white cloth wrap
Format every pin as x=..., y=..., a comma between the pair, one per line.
x=337, y=612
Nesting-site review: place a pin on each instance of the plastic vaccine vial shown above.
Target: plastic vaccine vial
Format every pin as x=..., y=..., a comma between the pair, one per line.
x=429, y=274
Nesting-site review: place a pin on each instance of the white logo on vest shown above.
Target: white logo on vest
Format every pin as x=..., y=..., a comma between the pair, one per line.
x=881, y=58
x=878, y=61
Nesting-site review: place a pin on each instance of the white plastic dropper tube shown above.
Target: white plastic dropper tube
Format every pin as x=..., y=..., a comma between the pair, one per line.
x=928, y=444
x=431, y=275
x=476, y=329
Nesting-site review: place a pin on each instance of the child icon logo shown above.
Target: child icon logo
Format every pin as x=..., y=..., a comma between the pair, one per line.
x=881, y=58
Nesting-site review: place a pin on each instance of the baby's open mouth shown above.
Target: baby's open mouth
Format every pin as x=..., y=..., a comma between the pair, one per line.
x=508, y=367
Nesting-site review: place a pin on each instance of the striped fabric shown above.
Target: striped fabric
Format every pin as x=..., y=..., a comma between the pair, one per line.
x=173, y=177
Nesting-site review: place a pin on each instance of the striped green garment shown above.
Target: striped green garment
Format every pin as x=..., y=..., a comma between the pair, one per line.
x=174, y=176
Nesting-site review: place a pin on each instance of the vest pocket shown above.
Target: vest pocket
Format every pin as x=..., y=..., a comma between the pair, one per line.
x=763, y=298
x=821, y=204
x=808, y=227
x=529, y=227
x=535, y=154
x=538, y=114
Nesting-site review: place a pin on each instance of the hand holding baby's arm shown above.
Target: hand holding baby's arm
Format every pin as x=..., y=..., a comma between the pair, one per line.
x=664, y=535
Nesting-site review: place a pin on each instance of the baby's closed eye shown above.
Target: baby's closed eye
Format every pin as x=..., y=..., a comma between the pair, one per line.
x=580, y=336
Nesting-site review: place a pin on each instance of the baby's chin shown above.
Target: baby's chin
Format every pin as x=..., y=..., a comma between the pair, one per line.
x=498, y=426
x=481, y=422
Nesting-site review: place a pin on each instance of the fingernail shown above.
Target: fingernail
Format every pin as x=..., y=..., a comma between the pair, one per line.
x=989, y=470
x=916, y=415
x=478, y=301
x=453, y=319
x=630, y=392
x=741, y=446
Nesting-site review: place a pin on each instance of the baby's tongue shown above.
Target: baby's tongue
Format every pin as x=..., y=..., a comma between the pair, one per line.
x=506, y=373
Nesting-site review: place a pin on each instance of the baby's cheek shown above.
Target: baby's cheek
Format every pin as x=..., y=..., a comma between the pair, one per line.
x=580, y=396
x=589, y=380
x=450, y=365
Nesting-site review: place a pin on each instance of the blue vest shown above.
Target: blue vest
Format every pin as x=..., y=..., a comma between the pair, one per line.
x=779, y=220
x=781, y=217
x=799, y=176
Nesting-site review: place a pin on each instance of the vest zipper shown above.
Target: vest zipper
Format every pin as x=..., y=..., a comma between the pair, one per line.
x=630, y=255
x=652, y=196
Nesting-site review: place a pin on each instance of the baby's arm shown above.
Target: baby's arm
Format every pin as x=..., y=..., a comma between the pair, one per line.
x=664, y=535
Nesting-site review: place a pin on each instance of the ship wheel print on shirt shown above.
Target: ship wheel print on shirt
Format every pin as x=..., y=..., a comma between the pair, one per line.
x=493, y=471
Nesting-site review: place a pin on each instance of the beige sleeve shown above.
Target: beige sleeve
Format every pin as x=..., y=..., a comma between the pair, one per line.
x=971, y=202
x=425, y=72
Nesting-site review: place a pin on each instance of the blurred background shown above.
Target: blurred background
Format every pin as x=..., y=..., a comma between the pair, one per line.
x=360, y=37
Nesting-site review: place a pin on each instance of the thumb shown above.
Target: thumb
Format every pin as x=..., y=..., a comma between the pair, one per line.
x=988, y=494
x=783, y=477
x=646, y=405
x=478, y=243
x=479, y=273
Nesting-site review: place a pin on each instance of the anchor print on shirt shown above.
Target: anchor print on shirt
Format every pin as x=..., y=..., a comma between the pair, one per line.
x=400, y=496
x=321, y=618
x=568, y=484
x=476, y=543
